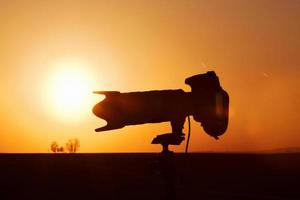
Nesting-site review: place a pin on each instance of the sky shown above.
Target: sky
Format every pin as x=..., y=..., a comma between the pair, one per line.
x=53, y=54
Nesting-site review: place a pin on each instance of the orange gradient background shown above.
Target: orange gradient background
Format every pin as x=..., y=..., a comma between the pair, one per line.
x=138, y=45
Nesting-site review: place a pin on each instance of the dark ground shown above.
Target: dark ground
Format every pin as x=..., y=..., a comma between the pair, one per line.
x=139, y=176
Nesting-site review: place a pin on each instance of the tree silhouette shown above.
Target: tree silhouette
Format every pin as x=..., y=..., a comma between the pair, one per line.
x=61, y=149
x=54, y=147
x=73, y=145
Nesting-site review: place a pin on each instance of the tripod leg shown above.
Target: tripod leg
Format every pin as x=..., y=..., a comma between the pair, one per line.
x=167, y=169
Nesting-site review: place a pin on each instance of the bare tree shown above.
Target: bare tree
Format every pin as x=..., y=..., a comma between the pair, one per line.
x=73, y=145
x=54, y=146
x=61, y=149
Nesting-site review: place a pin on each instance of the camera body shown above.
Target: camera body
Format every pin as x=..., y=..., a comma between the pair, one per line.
x=207, y=102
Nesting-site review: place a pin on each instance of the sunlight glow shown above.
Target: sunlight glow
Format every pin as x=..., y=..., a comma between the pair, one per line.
x=70, y=90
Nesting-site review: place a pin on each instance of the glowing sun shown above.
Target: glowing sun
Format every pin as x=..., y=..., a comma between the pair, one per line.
x=70, y=90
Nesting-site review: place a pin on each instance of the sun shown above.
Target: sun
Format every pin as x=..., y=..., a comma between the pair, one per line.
x=70, y=87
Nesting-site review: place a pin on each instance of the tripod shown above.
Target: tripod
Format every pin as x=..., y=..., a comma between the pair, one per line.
x=166, y=161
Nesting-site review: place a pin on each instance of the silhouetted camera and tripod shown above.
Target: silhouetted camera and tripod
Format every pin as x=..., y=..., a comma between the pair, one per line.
x=207, y=102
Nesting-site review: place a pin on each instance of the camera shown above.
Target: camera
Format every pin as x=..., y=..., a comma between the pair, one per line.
x=207, y=102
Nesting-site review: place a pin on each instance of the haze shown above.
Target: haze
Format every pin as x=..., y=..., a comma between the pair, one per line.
x=141, y=45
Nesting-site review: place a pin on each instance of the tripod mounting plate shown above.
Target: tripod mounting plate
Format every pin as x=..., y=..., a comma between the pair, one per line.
x=168, y=139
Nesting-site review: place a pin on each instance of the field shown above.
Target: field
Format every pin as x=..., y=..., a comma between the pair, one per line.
x=147, y=176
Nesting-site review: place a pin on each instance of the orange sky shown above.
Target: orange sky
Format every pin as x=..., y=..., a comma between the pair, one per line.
x=141, y=45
